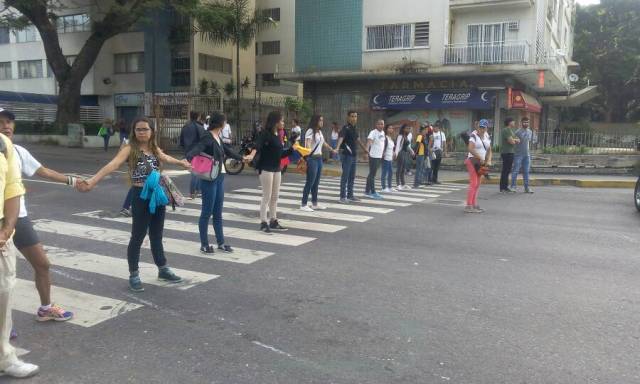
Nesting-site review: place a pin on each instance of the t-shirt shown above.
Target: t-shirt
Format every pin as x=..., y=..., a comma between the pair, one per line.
x=506, y=147
x=226, y=133
x=525, y=136
x=439, y=140
x=316, y=141
x=334, y=135
x=28, y=166
x=217, y=139
x=481, y=144
x=377, y=146
x=420, y=145
x=388, y=153
x=350, y=141
x=403, y=144
x=10, y=180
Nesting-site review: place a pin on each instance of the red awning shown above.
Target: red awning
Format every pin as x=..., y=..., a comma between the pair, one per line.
x=521, y=100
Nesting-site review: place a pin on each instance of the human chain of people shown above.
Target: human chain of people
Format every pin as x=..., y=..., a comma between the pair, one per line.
x=334, y=206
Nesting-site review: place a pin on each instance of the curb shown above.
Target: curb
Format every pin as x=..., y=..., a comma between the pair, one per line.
x=564, y=182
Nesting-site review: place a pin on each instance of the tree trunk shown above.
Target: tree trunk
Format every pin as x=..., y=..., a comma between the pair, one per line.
x=238, y=88
x=68, y=103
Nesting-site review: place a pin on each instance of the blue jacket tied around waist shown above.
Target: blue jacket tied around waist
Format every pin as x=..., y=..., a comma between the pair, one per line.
x=154, y=192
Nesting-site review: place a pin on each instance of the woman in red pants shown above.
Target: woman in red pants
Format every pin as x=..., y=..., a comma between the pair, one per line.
x=478, y=158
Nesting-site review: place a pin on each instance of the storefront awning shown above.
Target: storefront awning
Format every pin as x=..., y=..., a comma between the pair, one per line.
x=573, y=100
x=432, y=100
x=521, y=100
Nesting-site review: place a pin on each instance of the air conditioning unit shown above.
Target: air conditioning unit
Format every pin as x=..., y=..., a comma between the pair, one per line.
x=514, y=26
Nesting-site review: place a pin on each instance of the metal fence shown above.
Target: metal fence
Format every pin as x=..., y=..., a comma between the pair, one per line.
x=510, y=52
x=47, y=112
x=586, y=143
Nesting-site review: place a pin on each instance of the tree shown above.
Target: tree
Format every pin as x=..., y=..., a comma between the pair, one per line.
x=108, y=18
x=231, y=22
x=608, y=50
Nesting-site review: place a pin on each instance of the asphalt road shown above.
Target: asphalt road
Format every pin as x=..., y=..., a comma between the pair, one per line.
x=541, y=288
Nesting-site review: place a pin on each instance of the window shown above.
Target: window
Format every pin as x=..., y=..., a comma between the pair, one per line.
x=73, y=23
x=271, y=47
x=421, y=35
x=129, y=62
x=273, y=13
x=180, y=71
x=389, y=36
x=268, y=80
x=4, y=35
x=30, y=69
x=5, y=71
x=214, y=63
x=29, y=33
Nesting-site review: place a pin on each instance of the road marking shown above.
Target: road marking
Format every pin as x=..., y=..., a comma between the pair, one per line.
x=114, y=236
x=236, y=217
x=408, y=192
x=237, y=233
x=298, y=203
x=117, y=268
x=88, y=309
x=336, y=192
x=326, y=201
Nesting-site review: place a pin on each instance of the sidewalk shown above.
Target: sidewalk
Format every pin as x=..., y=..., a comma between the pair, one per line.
x=584, y=181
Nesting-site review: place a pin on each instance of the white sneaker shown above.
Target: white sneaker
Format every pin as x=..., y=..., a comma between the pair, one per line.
x=394, y=189
x=318, y=207
x=20, y=369
x=306, y=208
x=406, y=187
x=387, y=190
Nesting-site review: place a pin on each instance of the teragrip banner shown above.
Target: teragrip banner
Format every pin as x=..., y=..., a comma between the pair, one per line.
x=433, y=100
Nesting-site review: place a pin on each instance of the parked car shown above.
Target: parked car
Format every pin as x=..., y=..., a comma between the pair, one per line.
x=636, y=194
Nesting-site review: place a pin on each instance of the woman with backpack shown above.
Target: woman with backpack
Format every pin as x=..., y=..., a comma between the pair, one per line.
x=314, y=140
x=477, y=163
x=144, y=158
x=267, y=155
x=404, y=153
x=213, y=190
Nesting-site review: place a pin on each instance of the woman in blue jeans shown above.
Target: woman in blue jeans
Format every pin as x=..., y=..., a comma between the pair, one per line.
x=388, y=155
x=314, y=140
x=213, y=191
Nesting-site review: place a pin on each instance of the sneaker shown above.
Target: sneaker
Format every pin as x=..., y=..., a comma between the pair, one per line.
x=207, y=250
x=343, y=201
x=135, y=284
x=386, y=190
x=274, y=225
x=318, y=207
x=20, y=369
x=509, y=190
x=395, y=189
x=513, y=190
x=478, y=209
x=13, y=334
x=368, y=194
x=377, y=196
x=528, y=190
x=54, y=313
x=306, y=208
x=469, y=209
x=225, y=248
x=436, y=182
x=167, y=274
x=264, y=227
x=353, y=199
x=124, y=212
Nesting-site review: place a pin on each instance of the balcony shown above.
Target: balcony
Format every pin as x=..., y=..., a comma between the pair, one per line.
x=510, y=52
x=461, y=5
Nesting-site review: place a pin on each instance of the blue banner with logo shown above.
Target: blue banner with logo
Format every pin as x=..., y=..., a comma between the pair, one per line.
x=433, y=100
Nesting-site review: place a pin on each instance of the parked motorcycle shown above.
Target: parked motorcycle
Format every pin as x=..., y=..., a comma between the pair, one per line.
x=233, y=166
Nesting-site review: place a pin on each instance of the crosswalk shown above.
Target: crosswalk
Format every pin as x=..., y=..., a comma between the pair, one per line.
x=104, y=230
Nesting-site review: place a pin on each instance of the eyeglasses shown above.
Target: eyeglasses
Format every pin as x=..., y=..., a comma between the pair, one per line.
x=142, y=130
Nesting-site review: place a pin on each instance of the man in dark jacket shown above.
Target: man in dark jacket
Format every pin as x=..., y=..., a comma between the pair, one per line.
x=190, y=136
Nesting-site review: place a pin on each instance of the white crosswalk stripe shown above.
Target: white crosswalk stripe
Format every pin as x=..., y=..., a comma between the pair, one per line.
x=231, y=232
x=409, y=192
x=117, y=268
x=322, y=199
x=88, y=309
x=336, y=192
x=114, y=236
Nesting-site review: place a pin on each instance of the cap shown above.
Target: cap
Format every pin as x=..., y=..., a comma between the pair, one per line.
x=484, y=123
x=8, y=114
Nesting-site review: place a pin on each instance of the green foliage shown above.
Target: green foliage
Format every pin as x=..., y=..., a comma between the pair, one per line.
x=229, y=88
x=301, y=108
x=608, y=49
x=577, y=127
x=203, y=87
x=566, y=150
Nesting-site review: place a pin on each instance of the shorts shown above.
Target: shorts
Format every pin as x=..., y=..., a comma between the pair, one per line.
x=25, y=236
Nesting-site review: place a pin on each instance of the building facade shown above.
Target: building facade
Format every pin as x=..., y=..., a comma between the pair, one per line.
x=450, y=60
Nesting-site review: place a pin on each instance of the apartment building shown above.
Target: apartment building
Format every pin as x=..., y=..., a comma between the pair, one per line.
x=450, y=60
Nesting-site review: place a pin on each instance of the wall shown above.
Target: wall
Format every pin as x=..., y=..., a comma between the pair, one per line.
x=434, y=11
x=329, y=35
x=104, y=65
x=495, y=14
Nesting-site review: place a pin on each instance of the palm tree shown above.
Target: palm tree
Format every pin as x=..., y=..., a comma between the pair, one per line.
x=231, y=22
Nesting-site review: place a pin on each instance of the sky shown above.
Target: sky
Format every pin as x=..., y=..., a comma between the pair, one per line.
x=587, y=2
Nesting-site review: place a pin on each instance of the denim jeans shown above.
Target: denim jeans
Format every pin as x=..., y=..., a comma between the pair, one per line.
x=143, y=222
x=194, y=185
x=212, y=200
x=387, y=171
x=524, y=162
x=334, y=144
x=106, y=139
x=420, y=171
x=374, y=164
x=127, y=200
x=314, y=171
x=348, y=177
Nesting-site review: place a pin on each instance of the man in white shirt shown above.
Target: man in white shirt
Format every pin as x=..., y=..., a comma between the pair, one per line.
x=226, y=134
x=375, y=147
x=296, y=131
x=25, y=237
x=437, y=146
